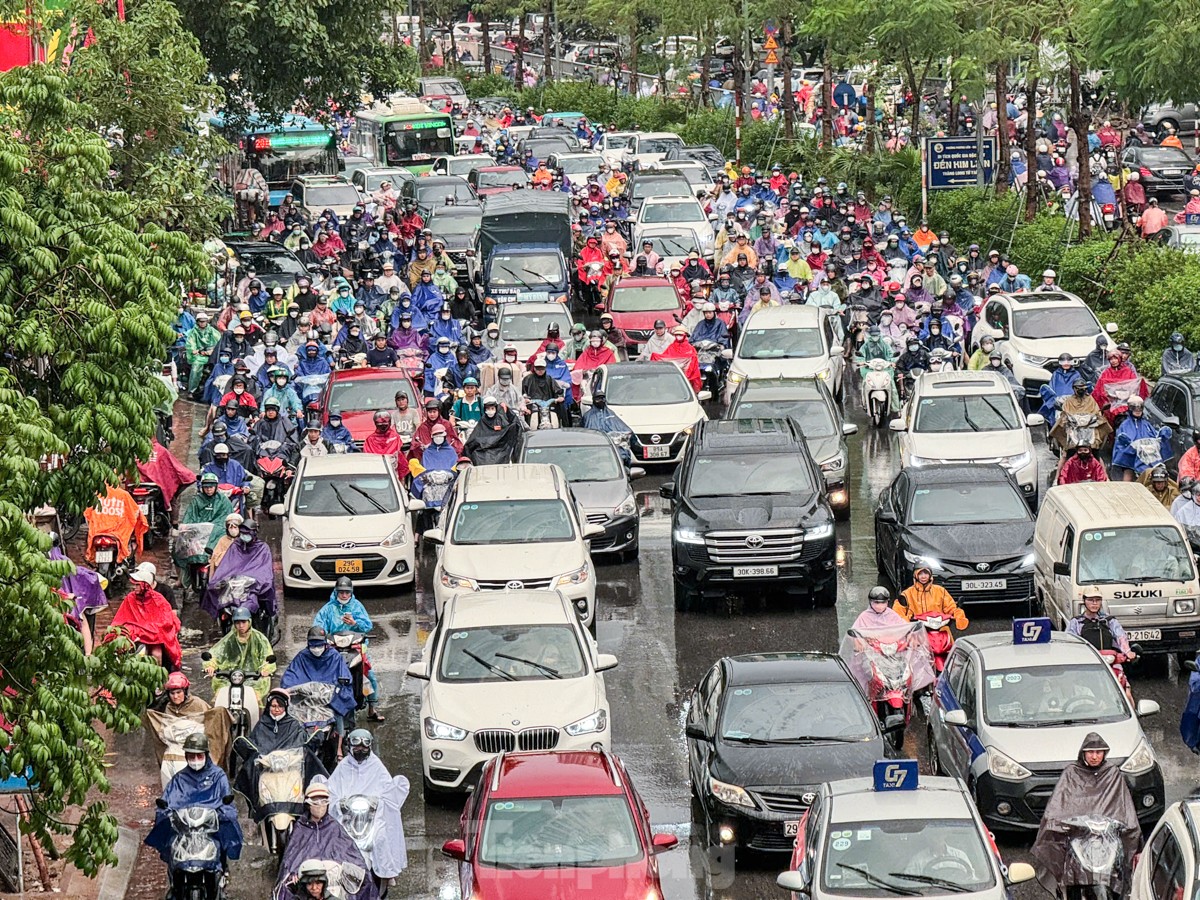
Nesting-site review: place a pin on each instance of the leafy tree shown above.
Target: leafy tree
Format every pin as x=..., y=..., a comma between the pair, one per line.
x=1150, y=48
x=87, y=297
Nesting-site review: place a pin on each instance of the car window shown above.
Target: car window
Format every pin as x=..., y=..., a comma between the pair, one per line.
x=712, y=699
x=968, y=504
x=788, y=712
x=997, y=315
x=644, y=299
x=518, y=271
x=813, y=416
x=1068, y=547
x=658, y=386
x=552, y=832
x=862, y=854
x=360, y=394
x=1052, y=695
x=1167, y=876
x=1139, y=553
x=532, y=326
x=781, y=343
x=724, y=476
x=512, y=522
x=346, y=495
x=580, y=462
x=659, y=213
x=955, y=669
x=966, y=413
x=1067, y=322
x=967, y=698
x=1169, y=400
x=511, y=653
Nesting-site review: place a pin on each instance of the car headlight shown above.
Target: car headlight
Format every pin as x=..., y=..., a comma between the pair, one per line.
x=736, y=378
x=440, y=731
x=823, y=374
x=397, y=538
x=930, y=562
x=689, y=429
x=458, y=582
x=1185, y=607
x=300, y=542
x=819, y=532
x=1140, y=760
x=688, y=536
x=597, y=721
x=1030, y=359
x=1028, y=561
x=1019, y=461
x=579, y=576
x=730, y=794
x=918, y=461
x=834, y=464
x=628, y=508
x=1005, y=767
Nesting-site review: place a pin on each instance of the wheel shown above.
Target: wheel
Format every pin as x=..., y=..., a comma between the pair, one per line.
x=685, y=597
x=935, y=760
x=826, y=596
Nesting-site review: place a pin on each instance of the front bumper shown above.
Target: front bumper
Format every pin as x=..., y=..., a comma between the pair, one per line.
x=585, y=592
x=1018, y=805
x=642, y=445
x=461, y=761
x=1176, y=638
x=814, y=568
x=766, y=828
x=379, y=566
x=620, y=534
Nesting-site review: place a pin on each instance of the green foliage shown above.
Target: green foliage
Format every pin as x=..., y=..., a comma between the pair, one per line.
x=489, y=86
x=1083, y=267
x=87, y=298
x=879, y=173
x=1121, y=34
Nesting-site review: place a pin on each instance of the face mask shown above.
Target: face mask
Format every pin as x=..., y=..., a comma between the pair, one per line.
x=317, y=651
x=246, y=538
x=225, y=360
x=195, y=764
x=439, y=439
x=360, y=753
x=600, y=402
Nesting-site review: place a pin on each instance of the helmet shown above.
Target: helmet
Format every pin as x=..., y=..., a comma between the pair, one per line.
x=1159, y=473
x=1176, y=338
x=177, y=681
x=1187, y=484
x=1136, y=402
x=381, y=417
x=317, y=634
x=241, y=614
x=196, y=743
x=1049, y=273
x=344, y=584
x=219, y=429
x=218, y=449
x=879, y=594
x=233, y=519
x=209, y=478
x=279, y=694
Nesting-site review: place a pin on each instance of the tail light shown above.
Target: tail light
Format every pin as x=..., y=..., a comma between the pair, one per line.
x=140, y=492
x=1108, y=209
x=1145, y=173
x=105, y=540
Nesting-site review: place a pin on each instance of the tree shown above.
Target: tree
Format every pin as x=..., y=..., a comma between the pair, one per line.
x=273, y=58
x=1150, y=48
x=87, y=297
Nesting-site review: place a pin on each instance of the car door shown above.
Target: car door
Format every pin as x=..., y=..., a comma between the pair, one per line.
x=954, y=747
x=703, y=714
x=1161, y=873
x=1061, y=599
x=887, y=529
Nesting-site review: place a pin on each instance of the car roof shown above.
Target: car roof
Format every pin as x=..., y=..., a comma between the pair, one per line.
x=508, y=608
x=957, y=383
x=344, y=463
x=998, y=651
x=792, y=666
x=550, y=774
x=427, y=180
x=956, y=473
x=936, y=797
x=790, y=316
x=1035, y=299
x=508, y=310
x=642, y=281
x=567, y=437
x=517, y=481
x=369, y=374
x=1192, y=379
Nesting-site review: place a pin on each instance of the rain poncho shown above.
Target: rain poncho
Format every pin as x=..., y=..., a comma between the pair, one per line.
x=330, y=615
x=389, y=855
x=1178, y=362
x=147, y=618
x=166, y=471
x=429, y=297
x=339, y=435
x=206, y=788
x=1129, y=451
x=84, y=584
x=446, y=328
x=324, y=839
x=270, y=735
x=243, y=560
x=494, y=440
x=685, y=353
x=437, y=360
x=328, y=668
x=713, y=330
x=117, y=514
x=169, y=727
x=1061, y=382
x=877, y=669
x=230, y=654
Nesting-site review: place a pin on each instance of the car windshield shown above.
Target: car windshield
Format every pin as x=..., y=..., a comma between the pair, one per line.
x=1052, y=695
x=519, y=271
x=1164, y=156
x=511, y=653
x=1070, y=321
x=462, y=165
x=267, y=264
x=618, y=142
x=781, y=343
x=813, y=416
x=659, y=145
x=456, y=224
x=372, y=183
x=876, y=859
x=696, y=175
x=437, y=193
x=362, y=394
x=740, y=476
x=581, y=462
x=513, y=178
x=1135, y=554
x=967, y=504
x=330, y=196
x=451, y=86
x=654, y=387
x=644, y=299
x=667, y=245
x=580, y=165
x=531, y=326
x=1189, y=240
x=644, y=188
x=963, y=412
x=512, y=522
x=558, y=832
x=346, y=495
x=788, y=712
x=659, y=213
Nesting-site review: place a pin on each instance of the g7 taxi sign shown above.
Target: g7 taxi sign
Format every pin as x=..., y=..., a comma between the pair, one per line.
x=1031, y=631
x=896, y=775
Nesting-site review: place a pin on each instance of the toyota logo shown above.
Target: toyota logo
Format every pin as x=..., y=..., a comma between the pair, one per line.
x=348, y=545
x=982, y=567
x=754, y=541
x=656, y=438
x=808, y=797
x=515, y=585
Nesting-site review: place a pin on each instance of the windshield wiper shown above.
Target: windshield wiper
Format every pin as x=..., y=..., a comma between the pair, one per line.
x=342, y=500
x=757, y=742
x=880, y=882
x=967, y=418
x=553, y=673
x=1087, y=721
x=520, y=281
x=375, y=503
x=929, y=879
x=489, y=666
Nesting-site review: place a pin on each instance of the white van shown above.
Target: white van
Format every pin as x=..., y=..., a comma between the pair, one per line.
x=1116, y=537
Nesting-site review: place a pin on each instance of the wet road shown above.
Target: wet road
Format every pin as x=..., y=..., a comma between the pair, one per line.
x=662, y=655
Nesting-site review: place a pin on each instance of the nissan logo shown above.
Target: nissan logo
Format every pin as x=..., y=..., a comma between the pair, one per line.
x=656, y=438
x=515, y=585
x=982, y=567
x=348, y=545
x=754, y=541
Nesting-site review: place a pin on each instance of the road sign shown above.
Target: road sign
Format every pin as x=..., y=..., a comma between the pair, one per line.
x=844, y=95
x=954, y=162
x=771, y=43
x=772, y=58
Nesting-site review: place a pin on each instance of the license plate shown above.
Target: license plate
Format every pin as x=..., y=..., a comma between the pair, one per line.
x=1145, y=634
x=755, y=571
x=347, y=567
x=791, y=829
x=656, y=452
x=105, y=556
x=984, y=584
x=144, y=508
x=1172, y=171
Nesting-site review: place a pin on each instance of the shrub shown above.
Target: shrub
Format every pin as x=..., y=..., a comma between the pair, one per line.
x=479, y=85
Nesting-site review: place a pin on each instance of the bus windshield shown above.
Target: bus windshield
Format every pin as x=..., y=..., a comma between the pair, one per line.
x=407, y=143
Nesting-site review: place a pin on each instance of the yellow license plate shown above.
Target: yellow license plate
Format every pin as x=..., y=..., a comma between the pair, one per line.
x=347, y=567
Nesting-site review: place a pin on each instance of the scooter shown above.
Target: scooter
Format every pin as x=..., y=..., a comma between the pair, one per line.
x=106, y=550
x=276, y=472
x=350, y=645
x=238, y=714
x=877, y=390
x=310, y=705
x=890, y=688
x=437, y=485
x=196, y=865
x=189, y=552
x=712, y=371
x=541, y=414
x=860, y=321
x=280, y=793
x=940, y=643
x=1116, y=661
x=1097, y=856
x=359, y=815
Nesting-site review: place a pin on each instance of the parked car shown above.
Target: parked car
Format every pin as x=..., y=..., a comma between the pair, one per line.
x=1161, y=168
x=1175, y=401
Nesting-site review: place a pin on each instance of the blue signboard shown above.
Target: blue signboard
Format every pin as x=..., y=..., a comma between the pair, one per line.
x=954, y=162
x=1031, y=631
x=844, y=95
x=16, y=784
x=896, y=775
x=1191, y=218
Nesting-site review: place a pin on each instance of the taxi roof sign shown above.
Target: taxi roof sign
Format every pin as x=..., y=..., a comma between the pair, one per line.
x=896, y=775
x=1032, y=631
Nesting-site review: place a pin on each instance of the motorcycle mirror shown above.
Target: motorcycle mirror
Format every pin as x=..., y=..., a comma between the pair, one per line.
x=271, y=658
x=206, y=656
x=228, y=798
x=1189, y=664
x=726, y=354
x=160, y=803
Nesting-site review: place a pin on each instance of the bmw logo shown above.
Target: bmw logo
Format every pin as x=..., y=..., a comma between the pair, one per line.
x=656, y=438
x=982, y=567
x=515, y=585
x=754, y=541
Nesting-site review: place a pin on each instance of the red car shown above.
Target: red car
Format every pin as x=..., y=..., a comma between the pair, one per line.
x=636, y=301
x=497, y=179
x=359, y=393
x=553, y=826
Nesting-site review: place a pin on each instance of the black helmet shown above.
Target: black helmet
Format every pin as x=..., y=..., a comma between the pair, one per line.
x=196, y=743
x=1176, y=338
x=344, y=584
x=879, y=594
x=1159, y=473
x=219, y=429
x=1196, y=436
x=317, y=634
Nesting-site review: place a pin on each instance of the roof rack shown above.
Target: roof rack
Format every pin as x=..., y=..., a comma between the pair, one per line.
x=498, y=765
x=612, y=767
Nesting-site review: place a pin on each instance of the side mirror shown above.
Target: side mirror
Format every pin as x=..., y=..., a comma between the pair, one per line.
x=435, y=536
x=270, y=659
x=955, y=717
x=206, y=656
x=849, y=428
x=160, y=803
x=792, y=880
x=727, y=354
x=887, y=516
x=1019, y=872
x=666, y=490
x=897, y=425
x=704, y=395
x=415, y=503
x=636, y=472
x=696, y=733
x=1061, y=568
x=455, y=849
x=1190, y=665
x=663, y=841
x=277, y=509
x=605, y=661
x=1033, y=420
x=1111, y=327
x=592, y=531
x=417, y=670
x=893, y=723
x=1147, y=708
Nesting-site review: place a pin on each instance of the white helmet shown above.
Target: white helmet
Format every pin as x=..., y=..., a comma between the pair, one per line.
x=1049, y=273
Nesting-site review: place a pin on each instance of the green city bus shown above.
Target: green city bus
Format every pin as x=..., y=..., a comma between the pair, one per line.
x=402, y=132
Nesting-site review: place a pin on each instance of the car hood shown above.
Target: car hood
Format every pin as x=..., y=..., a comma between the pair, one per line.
x=521, y=704
x=776, y=511
x=807, y=367
x=600, y=495
x=1035, y=747
x=664, y=418
x=969, y=446
x=489, y=191
x=824, y=448
x=1052, y=347
x=971, y=543
x=359, y=531
x=359, y=423
x=644, y=321
x=521, y=562
x=628, y=882
x=797, y=765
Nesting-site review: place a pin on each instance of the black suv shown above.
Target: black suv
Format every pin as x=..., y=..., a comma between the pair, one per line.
x=750, y=513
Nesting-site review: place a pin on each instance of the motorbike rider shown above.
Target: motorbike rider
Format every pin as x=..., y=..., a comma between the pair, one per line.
x=318, y=662
x=557, y=368
x=602, y=418
x=386, y=442
x=318, y=835
x=274, y=427
x=923, y=596
x=198, y=348
x=680, y=349
x=1118, y=371
x=362, y=772
x=440, y=358
x=1136, y=427
x=423, y=436
x=244, y=649
x=494, y=440
x=1062, y=383
x=1082, y=466
x=1177, y=359
x=1099, y=629
x=467, y=408
x=406, y=419
x=507, y=394
x=538, y=385
x=1161, y=487
x=209, y=505
x=335, y=434
x=1080, y=403
x=147, y=617
x=879, y=612
x=230, y=472
x=179, y=699
x=439, y=456
x=344, y=612
x=1090, y=786
x=996, y=364
x=248, y=559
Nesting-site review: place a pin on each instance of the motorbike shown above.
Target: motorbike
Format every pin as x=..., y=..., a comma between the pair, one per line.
x=350, y=645
x=877, y=390
x=189, y=550
x=106, y=551
x=712, y=371
x=280, y=792
x=1096, y=862
x=940, y=642
x=541, y=413
x=437, y=485
x=196, y=864
x=412, y=364
x=310, y=388
x=310, y=705
x=892, y=664
x=941, y=360
x=359, y=815
x=1116, y=661
x=239, y=682
x=860, y=321
x=591, y=277
x=276, y=472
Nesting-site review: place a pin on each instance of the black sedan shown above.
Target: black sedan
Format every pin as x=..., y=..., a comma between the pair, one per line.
x=273, y=264
x=1162, y=168
x=763, y=732
x=969, y=524
x=1175, y=401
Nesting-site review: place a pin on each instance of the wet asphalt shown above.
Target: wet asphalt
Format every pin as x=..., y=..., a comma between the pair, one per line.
x=662, y=655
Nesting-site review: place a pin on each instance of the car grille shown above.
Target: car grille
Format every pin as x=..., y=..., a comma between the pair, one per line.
x=497, y=740
x=526, y=584
x=641, y=335
x=647, y=440
x=784, y=545
x=373, y=564
x=1018, y=588
x=782, y=803
x=443, y=774
x=771, y=840
x=597, y=518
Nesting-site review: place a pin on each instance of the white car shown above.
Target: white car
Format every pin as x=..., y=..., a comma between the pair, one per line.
x=650, y=147
x=524, y=325
x=514, y=527
x=656, y=401
x=576, y=166
x=695, y=173
x=788, y=342
x=518, y=674
x=681, y=212
x=460, y=165
x=968, y=417
x=1034, y=329
x=1169, y=864
x=347, y=514
x=616, y=148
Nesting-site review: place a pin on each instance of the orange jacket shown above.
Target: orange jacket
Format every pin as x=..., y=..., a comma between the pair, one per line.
x=924, y=598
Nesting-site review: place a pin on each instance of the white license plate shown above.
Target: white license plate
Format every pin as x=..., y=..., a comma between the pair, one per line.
x=755, y=571
x=1172, y=171
x=1145, y=634
x=791, y=829
x=984, y=584
x=144, y=508
x=105, y=556
x=653, y=451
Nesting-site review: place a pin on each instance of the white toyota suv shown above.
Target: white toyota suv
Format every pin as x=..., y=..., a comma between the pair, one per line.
x=968, y=417
x=513, y=528
x=518, y=674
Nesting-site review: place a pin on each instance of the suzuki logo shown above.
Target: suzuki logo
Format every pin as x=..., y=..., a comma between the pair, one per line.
x=1137, y=610
x=754, y=541
x=982, y=567
x=656, y=438
x=1031, y=631
x=895, y=775
x=515, y=585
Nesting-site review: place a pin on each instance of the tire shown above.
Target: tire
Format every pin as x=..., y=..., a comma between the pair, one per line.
x=685, y=597
x=826, y=596
x=935, y=759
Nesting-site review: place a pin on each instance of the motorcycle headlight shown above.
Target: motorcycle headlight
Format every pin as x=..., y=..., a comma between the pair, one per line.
x=300, y=542
x=1028, y=561
x=440, y=731
x=237, y=677
x=688, y=536
x=628, y=508
x=579, y=576
x=1019, y=461
x=1140, y=760
x=1005, y=767
x=458, y=582
x=597, y=721
x=931, y=562
x=819, y=532
x=397, y=538
x=834, y=464
x=729, y=794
